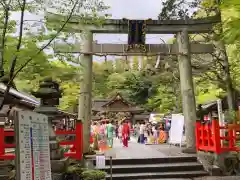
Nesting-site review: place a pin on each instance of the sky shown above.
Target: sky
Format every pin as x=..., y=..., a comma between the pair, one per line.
x=130, y=9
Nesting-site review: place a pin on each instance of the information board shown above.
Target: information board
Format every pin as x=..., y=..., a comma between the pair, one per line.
x=32, y=146
x=100, y=161
x=176, y=130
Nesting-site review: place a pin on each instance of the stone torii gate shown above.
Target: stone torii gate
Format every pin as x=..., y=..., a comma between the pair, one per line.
x=182, y=49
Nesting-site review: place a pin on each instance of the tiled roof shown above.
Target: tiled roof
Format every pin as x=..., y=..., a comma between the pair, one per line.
x=102, y=105
x=27, y=99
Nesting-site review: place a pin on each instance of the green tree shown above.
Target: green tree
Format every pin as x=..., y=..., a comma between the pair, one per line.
x=218, y=71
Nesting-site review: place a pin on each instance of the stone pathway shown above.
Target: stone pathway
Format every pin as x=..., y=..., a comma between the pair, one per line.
x=136, y=150
x=205, y=178
x=133, y=151
x=168, y=150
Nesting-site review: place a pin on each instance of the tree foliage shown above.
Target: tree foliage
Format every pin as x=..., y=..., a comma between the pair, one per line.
x=215, y=77
x=24, y=48
x=155, y=88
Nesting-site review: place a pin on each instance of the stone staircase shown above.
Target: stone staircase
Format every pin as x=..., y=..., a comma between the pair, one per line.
x=155, y=168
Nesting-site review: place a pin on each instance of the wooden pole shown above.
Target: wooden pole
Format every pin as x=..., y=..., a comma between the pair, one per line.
x=188, y=97
x=85, y=97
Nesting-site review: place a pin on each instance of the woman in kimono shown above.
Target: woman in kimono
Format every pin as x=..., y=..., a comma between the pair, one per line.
x=120, y=127
x=162, y=134
x=102, y=137
x=110, y=130
x=125, y=134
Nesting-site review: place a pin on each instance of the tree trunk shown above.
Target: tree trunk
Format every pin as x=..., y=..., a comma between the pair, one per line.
x=85, y=97
x=187, y=90
x=227, y=77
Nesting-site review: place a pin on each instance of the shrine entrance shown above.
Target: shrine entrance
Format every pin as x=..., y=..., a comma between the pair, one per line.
x=137, y=30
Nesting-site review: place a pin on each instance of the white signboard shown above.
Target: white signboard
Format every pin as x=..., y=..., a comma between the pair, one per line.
x=220, y=118
x=32, y=147
x=176, y=130
x=154, y=118
x=100, y=162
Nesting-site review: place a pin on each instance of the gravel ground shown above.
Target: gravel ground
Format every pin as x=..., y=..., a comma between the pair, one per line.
x=219, y=178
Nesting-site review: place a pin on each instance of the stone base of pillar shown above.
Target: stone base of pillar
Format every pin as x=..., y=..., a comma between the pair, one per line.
x=207, y=159
x=189, y=150
x=58, y=163
x=56, y=154
x=5, y=170
x=59, y=166
x=55, y=151
x=57, y=176
x=4, y=177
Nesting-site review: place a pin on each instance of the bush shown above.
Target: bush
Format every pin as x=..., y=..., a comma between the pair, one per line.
x=93, y=175
x=74, y=172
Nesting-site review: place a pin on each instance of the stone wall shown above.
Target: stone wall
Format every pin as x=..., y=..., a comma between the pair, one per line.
x=222, y=164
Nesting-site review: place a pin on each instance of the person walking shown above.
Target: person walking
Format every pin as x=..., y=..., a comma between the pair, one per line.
x=120, y=127
x=101, y=131
x=125, y=134
x=141, y=132
x=137, y=129
x=155, y=134
x=116, y=130
x=110, y=130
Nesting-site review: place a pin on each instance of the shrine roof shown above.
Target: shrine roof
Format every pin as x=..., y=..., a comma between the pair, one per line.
x=99, y=103
x=212, y=105
x=103, y=104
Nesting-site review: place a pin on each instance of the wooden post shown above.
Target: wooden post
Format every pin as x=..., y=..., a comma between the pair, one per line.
x=2, y=137
x=79, y=140
x=188, y=97
x=85, y=97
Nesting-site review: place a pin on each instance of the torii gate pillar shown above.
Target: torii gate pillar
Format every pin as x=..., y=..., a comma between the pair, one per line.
x=187, y=90
x=85, y=96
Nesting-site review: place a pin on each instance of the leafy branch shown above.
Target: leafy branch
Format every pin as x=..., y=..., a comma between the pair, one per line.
x=6, y=9
x=12, y=74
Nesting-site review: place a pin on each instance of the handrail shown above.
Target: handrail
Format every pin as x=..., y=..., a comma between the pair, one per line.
x=208, y=137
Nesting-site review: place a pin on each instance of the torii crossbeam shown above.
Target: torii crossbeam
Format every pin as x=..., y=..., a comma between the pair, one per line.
x=120, y=26
x=121, y=49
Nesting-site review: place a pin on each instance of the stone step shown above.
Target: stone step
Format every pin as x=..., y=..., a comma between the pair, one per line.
x=149, y=168
x=4, y=177
x=177, y=159
x=159, y=175
x=169, y=179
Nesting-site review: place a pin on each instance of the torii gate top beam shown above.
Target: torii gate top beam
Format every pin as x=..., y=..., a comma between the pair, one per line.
x=203, y=25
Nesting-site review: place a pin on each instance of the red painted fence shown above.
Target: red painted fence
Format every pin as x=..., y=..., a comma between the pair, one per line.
x=76, y=150
x=208, y=137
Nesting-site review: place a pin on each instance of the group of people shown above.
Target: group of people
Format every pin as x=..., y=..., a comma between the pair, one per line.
x=152, y=133
x=146, y=132
x=105, y=131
